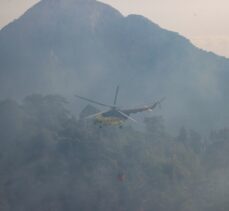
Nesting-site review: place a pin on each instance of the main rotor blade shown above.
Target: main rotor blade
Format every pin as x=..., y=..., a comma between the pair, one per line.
x=128, y=117
x=160, y=102
x=92, y=101
x=162, y=99
x=116, y=95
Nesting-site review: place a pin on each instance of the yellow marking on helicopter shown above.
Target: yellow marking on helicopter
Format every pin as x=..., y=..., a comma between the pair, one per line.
x=108, y=120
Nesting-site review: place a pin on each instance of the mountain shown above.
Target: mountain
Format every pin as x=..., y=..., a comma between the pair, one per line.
x=87, y=47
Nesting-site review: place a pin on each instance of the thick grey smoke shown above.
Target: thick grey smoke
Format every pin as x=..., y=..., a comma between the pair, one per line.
x=50, y=160
x=86, y=47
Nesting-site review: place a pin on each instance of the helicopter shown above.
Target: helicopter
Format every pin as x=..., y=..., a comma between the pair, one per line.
x=115, y=115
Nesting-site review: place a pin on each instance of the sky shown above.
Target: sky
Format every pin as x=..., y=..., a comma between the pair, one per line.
x=204, y=22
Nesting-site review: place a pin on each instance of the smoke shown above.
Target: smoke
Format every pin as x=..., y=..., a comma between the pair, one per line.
x=51, y=160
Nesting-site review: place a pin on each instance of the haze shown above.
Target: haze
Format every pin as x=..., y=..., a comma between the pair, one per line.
x=54, y=157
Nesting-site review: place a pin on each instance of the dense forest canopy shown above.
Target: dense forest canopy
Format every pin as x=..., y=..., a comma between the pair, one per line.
x=51, y=160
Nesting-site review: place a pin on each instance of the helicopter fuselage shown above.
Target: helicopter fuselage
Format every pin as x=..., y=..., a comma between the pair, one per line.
x=111, y=117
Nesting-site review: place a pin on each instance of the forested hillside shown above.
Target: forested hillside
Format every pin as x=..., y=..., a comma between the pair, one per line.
x=50, y=160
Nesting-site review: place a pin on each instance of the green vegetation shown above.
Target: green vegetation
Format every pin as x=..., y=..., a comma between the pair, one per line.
x=49, y=160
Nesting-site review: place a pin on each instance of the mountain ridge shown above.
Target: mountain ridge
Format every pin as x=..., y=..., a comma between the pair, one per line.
x=87, y=46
